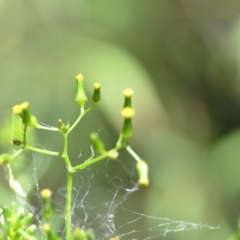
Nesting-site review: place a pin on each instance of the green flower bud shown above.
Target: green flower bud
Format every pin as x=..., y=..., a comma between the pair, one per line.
x=46, y=227
x=97, y=143
x=6, y=213
x=127, y=129
x=47, y=206
x=128, y=97
x=23, y=111
x=142, y=169
x=62, y=127
x=81, y=97
x=49, y=232
x=26, y=220
x=5, y=158
x=96, y=93
x=80, y=234
x=31, y=229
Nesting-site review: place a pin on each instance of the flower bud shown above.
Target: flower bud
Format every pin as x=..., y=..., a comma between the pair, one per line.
x=47, y=211
x=26, y=219
x=98, y=144
x=128, y=97
x=5, y=158
x=62, y=127
x=23, y=111
x=80, y=234
x=47, y=228
x=81, y=97
x=46, y=193
x=142, y=169
x=31, y=229
x=96, y=93
x=127, y=129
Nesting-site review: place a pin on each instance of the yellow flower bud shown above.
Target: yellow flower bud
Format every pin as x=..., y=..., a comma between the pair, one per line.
x=46, y=227
x=128, y=112
x=142, y=169
x=4, y=158
x=81, y=97
x=46, y=193
x=23, y=111
x=127, y=129
x=47, y=210
x=128, y=97
x=96, y=93
x=79, y=77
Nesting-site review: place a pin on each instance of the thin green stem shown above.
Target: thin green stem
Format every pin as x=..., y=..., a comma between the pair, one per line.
x=135, y=156
x=82, y=113
x=68, y=220
x=65, y=152
x=44, y=151
x=119, y=141
x=24, y=135
x=97, y=159
x=48, y=128
x=77, y=121
x=16, y=154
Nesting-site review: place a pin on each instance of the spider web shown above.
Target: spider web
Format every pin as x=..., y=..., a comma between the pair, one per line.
x=100, y=203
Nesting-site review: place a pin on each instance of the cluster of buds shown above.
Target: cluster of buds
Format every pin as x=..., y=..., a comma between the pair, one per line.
x=81, y=97
x=16, y=223
x=127, y=113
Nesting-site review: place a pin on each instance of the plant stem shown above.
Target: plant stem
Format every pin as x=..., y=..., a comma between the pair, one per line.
x=77, y=120
x=68, y=219
x=65, y=152
x=135, y=156
x=82, y=113
x=97, y=159
x=44, y=151
x=16, y=153
x=48, y=128
x=24, y=135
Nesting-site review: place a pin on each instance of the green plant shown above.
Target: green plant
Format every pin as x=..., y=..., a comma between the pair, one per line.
x=16, y=224
x=236, y=234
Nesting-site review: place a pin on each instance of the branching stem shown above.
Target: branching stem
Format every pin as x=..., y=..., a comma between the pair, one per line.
x=96, y=159
x=29, y=120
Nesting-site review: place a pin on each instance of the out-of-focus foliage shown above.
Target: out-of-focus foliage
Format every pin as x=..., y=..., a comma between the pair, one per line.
x=182, y=59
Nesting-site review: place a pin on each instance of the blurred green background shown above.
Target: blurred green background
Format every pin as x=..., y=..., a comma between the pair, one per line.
x=182, y=60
